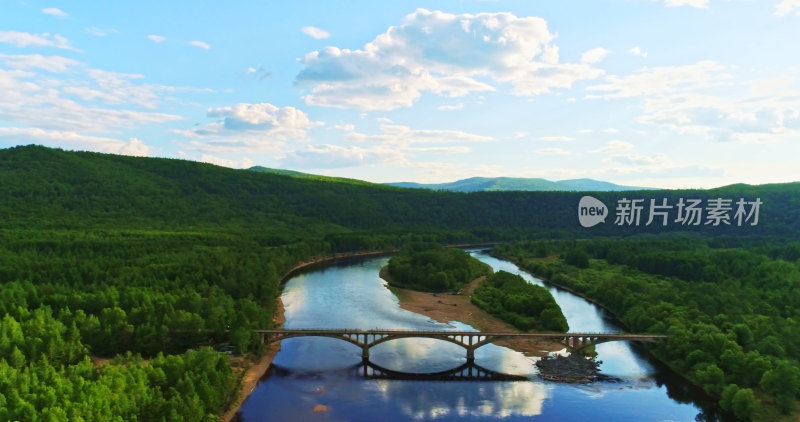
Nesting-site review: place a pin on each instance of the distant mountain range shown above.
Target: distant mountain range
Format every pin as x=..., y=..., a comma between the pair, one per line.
x=483, y=184
x=479, y=184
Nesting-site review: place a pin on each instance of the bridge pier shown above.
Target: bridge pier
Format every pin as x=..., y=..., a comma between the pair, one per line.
x=365, y=353
x=470, y=354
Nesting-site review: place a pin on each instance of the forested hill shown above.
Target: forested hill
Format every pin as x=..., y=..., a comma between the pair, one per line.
x=50, y=188
x=491, y=184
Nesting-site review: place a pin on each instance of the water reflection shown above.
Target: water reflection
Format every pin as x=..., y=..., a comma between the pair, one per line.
x=315, y=370
x=467, y=371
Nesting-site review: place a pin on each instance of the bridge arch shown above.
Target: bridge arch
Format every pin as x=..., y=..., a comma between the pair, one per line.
x=469, y=340
x=400, y=336
x=273, y=338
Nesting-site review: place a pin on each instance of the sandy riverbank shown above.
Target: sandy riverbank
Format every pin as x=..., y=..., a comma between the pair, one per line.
x=411, y=300
x=446, y=307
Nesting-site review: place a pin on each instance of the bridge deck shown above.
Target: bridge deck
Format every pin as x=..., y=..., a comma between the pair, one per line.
x=439, y=333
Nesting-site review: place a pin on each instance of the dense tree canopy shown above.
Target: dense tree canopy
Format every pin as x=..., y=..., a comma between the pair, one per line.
x=431, y=267
x=523, y=305
x=731, y=307
x=146, y=259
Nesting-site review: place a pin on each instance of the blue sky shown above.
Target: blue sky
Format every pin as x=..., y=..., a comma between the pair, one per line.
x=660, y=93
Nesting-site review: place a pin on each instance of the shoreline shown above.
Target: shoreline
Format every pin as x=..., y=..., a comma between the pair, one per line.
x=445, y=308
x=254, y=372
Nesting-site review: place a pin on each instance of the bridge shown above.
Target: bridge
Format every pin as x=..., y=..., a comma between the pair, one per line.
x=469, y=340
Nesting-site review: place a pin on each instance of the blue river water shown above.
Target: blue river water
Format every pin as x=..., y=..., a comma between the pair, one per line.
x=317, y=373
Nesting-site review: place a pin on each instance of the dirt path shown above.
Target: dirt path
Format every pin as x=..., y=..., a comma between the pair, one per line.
x=448, y=307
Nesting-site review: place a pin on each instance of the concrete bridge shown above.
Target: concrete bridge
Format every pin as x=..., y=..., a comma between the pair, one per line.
x=470, y=340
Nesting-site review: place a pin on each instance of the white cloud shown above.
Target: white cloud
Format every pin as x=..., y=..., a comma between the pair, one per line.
x=54, y=64
x=450, y=107
x=54, y=11
x=27, y=39
x=24, y=91
x=99, y=32
x=632, y=159
x=118, y=88
x=156, y=38
x=663, y=79
x=315, y=33
x=335, y=156
x=441, y=53
x=346, y=128
x=699, y=4
x=594, y=55
x=612, y=147
x=746, y=119
x=250, y=127
x=440, y=150
x=404, y=135
x=553, y=151
x=787, y=7
x=75, y=140
x=556, y=138
x=200, y=44
x=217, y=161
x=259, y=73
x=637, y=51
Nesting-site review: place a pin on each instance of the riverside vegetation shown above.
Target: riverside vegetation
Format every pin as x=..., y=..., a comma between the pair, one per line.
x=431, y=267
x=729, y=306
x=142, y=260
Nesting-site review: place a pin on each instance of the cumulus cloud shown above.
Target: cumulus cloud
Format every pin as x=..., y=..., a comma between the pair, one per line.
x=441, y=53
x=250, y=127
x=637, y=51
x=27, y=39
x=347, y=127
x=663, y=79
x=787, y=7
x=594, y=55
x=200, y=44
x=54, y=11
x=315, y=33
x=70, y=139
x=156, y=38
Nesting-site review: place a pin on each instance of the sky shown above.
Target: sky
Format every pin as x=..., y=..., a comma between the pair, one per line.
x=655, y=93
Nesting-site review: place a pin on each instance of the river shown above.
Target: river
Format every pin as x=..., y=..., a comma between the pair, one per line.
x=318, y=373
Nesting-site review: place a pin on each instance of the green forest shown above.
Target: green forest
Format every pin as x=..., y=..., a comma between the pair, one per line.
x=146, y=261
x=521, y=304
x=430, y=267
x=729, y=306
